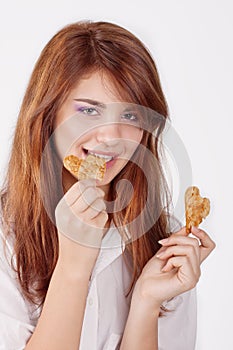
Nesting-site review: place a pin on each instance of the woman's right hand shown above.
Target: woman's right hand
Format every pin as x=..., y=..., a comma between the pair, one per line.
x=80, y=218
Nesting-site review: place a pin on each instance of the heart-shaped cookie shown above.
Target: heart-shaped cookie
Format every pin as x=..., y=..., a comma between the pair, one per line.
x=92, y=167
x=196, y=207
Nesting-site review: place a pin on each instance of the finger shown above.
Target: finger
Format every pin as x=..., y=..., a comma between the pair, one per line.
x=182, y=250
x=94, y=209
x=84, y=184
x=74, y=193
x=90, y=200
x=207, y=244
x=100, y=220
x=177, y=262
x=181, y=232
x=181, y=240
x=162, y=249
x=87, y=199
x=185, y=274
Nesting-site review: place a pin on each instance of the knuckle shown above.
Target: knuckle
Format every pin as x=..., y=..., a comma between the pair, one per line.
x=166, y=250
x=101, y=192
x=203, y=234
x=195, y=242
x=190, y=249
x=213, y=245
x=101, y=218
x=90, y=191
x=85, y=216
x=95, y=206
x=185, y=259
x=81, y=185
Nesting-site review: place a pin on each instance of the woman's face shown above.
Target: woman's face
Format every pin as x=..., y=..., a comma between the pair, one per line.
x=94, y=120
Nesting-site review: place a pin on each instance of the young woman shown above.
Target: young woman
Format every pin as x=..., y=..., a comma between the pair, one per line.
x=81, y=264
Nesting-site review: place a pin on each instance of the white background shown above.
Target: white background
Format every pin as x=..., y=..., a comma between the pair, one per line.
x=191, y=42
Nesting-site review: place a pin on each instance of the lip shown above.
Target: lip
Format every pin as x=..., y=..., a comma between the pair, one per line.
x=111, y=163
x=110, y=154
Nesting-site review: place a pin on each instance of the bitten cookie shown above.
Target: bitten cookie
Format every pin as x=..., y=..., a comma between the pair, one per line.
x=92, y=167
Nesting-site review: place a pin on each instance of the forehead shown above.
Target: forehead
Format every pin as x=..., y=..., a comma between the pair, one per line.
x=96, y=86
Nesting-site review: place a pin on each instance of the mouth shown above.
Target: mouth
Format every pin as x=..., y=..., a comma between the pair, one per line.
x=107, y=156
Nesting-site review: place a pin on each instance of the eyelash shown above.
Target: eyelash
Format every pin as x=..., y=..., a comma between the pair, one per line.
x=85, y=110
x=132, y=115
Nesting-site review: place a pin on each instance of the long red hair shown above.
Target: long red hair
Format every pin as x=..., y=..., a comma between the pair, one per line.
x=74, y=51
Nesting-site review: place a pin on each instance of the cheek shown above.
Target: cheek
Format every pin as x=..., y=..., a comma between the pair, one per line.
x=132, y=138
x=135, y=135
x=77, y=146
x=132, y=133
x=139, y=135
x=68, y=141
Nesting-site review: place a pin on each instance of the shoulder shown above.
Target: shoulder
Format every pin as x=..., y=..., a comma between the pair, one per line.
x=17, y=320
x=17, y=305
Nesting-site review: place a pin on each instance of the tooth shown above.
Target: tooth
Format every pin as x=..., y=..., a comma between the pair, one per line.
x=101, y=155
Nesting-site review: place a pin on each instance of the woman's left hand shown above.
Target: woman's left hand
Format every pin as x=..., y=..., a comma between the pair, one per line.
x=174, y=269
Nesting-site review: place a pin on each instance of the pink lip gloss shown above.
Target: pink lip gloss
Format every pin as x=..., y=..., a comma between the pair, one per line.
x=111, y=163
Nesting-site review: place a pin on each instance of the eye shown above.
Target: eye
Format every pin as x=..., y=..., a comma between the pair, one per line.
x=88, y=110
x=130, y=117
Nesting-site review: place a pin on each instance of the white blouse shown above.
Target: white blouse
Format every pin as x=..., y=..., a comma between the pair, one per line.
x=106, y=309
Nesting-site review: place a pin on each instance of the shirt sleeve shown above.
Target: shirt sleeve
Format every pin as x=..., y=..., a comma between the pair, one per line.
x=16, y=327
x=177, y=328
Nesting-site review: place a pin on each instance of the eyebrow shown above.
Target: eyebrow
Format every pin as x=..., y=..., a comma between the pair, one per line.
x=92, y=102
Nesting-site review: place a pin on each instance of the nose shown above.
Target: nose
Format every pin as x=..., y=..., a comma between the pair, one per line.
x=109, y=132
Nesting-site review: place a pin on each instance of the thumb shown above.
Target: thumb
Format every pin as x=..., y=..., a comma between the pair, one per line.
x=181, y=232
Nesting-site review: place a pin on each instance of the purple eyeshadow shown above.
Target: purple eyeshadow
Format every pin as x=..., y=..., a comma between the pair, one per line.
x=80, y=108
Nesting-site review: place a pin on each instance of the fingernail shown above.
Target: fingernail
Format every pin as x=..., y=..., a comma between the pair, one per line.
x=159, y=254
x=162, y=241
